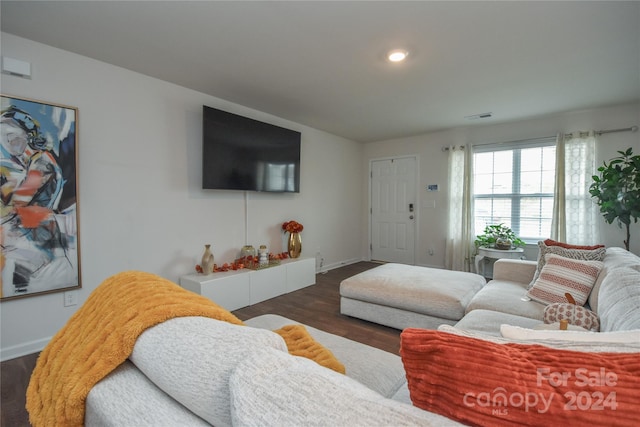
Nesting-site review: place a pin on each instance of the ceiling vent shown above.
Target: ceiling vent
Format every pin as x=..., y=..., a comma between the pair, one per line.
x=479, y=116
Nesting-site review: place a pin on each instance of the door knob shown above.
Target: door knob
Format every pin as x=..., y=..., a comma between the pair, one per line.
x=411, y=217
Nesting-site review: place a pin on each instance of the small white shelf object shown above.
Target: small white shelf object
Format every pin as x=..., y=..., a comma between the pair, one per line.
x=236, y=289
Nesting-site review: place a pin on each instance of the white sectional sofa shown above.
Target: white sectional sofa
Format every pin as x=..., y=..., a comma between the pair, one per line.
x=404, y=296
x=615, y=296
x=195, y=371
x=199, y=371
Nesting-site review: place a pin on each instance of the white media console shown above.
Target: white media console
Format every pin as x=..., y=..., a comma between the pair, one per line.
x=236, y=289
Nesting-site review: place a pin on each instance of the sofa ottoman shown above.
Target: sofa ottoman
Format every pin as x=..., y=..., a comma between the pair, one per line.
x=401, y=296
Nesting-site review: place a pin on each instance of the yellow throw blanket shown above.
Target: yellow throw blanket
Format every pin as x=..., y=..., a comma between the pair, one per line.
x=100, y=336
x=301, y=343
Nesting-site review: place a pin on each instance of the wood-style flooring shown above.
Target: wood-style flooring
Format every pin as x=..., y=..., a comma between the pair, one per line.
x=317, y=306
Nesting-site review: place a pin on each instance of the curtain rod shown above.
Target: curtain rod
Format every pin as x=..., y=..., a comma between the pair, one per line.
x=601, y=132
x=597, y=132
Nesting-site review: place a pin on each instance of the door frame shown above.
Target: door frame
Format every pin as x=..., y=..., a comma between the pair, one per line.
x=370, y=204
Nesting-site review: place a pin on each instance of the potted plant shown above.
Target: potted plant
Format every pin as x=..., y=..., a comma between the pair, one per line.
x=617, y=190
x=498, y=236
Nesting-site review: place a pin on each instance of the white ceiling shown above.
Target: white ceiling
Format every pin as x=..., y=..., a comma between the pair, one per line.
x=320, y=63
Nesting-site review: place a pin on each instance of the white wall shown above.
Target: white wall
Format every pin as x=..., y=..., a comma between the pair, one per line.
x=140, y=202
x=141, y=206
x=433, y=166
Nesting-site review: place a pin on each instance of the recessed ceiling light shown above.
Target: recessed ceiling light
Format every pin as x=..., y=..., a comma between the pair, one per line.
x=397, y=55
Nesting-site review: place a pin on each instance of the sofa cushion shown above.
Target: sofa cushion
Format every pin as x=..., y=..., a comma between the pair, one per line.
x=301, y=343
x=431, y=291
x=507, y=297
x=617, y=337
x=615, y=257
x=557, y=326
x=191, y=359
x=379, y=370
x=488, y=321
x=619, y=300
x=574, y=314
x=271, y=388
x=126, y=394
x=561, y=275
x=579, y=254
x=396, y=318
x=484, y=383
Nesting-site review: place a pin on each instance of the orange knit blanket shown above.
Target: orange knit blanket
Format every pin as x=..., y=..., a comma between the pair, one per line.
x=100, y=336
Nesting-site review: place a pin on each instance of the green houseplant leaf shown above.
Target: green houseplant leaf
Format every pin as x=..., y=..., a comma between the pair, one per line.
x=496, y=232
x=616, y=190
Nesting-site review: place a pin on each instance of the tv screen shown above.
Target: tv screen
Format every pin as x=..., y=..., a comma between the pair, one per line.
x=239, y=153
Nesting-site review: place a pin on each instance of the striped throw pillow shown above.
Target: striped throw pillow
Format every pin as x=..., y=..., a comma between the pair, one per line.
x=579, y=254
x=561, y=275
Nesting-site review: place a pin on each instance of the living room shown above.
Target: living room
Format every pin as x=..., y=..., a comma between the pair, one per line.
x=141, y=205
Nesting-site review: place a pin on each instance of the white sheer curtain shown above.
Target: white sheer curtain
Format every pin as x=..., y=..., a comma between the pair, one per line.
x=575, y=215
x=460, y=234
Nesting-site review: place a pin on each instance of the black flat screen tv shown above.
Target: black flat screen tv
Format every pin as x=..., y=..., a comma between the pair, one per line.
x=239, y=153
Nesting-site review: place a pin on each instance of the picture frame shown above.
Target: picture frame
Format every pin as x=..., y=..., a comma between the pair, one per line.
x=40, y=244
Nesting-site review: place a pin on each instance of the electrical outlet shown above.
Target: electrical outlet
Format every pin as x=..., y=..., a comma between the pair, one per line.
x=70, y=298
x=319, y=261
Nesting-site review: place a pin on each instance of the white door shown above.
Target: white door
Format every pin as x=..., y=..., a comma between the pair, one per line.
x=393, y=210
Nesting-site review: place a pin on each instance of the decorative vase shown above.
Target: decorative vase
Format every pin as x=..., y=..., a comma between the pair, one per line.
x=294, y=245
x=207, y=260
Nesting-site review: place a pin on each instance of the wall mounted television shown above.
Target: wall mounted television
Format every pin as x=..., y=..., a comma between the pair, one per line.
x=239, y=153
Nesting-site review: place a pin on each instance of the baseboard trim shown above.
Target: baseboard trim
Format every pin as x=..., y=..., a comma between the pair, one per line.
x=338, y=265
x=23, y=349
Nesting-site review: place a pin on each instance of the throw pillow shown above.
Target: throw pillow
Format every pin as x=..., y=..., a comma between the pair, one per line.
x=557, y=326
x=562, y=275
x=301, y=343
x=616, y=337
x=483, y=383
x=579, y=254
x=550, y=242
x=588, y=347
x=191, y=359
x=576, y=315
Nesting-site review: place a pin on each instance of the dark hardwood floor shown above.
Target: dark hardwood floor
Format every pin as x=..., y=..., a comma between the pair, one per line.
x=317, y=306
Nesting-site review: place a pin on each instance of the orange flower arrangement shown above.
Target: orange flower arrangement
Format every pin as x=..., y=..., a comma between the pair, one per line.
x=292, y=227
x=236, y=265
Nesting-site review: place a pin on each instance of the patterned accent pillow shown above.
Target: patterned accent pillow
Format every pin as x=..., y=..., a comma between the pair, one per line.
x=564, y=275
x=578, y=254
x=576, y=315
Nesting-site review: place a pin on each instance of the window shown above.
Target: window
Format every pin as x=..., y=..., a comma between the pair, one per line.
x=513, y=185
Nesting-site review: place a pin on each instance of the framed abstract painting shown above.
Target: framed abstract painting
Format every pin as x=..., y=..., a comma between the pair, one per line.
x=39, y=192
